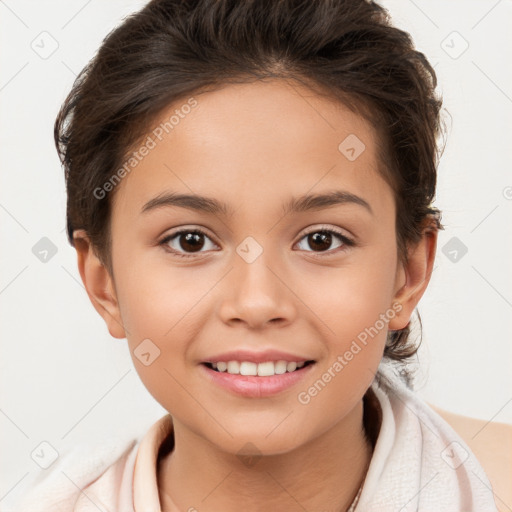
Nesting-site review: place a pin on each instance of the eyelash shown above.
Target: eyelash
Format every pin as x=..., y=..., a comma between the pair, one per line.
x=347, y=242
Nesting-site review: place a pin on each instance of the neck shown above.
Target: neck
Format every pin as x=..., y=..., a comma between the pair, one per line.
x=325, y=474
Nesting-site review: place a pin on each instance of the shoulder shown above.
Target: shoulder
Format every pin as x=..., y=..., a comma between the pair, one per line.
x=103, y=469
x=491, y=443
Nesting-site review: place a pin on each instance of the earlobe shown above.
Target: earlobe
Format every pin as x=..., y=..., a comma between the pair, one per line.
x=414, y=276
x=98, y=284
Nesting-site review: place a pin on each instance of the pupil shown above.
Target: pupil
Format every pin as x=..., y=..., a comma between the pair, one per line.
x=193, y=240
x=321, y=239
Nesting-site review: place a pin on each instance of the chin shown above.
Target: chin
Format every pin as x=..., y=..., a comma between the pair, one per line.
x=256, y=442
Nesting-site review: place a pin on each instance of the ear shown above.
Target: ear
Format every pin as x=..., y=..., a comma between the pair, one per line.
x=99, y=284
x=413, y=276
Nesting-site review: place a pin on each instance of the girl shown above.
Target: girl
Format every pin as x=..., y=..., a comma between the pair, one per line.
x=250, y=190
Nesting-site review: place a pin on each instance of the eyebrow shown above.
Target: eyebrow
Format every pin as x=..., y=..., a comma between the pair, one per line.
x=299, y=204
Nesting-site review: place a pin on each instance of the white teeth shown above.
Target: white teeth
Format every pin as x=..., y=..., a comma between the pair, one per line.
x=290, y=367
x=247, y=368
x=234, y=367
x=266, y=369
x=280, y=367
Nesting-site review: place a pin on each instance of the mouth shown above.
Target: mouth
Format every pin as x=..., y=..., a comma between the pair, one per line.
x=249, y=379
x=264, y=369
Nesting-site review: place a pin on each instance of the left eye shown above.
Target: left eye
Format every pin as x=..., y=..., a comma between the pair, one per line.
x=322, y=239
x=188, y=241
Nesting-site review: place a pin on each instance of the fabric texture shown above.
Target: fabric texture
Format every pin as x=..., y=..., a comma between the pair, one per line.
x=419, y=464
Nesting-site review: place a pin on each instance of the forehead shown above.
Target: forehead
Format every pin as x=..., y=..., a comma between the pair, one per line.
x=253, y=143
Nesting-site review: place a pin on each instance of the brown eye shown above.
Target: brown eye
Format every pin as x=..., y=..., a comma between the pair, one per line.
x=322, y=240
x=191, y=242
x=186, y=242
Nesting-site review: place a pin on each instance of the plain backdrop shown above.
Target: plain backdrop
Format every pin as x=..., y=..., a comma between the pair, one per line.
x=65, y=381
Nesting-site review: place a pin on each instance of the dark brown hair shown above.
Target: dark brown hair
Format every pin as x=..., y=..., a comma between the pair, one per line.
x=171, y=49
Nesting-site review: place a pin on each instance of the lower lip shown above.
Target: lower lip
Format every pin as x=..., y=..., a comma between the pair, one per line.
x=257, y=387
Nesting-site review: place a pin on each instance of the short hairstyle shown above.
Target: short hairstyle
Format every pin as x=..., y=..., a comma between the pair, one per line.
x=347, y=50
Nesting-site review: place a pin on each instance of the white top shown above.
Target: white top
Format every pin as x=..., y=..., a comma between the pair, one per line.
x=419, y=464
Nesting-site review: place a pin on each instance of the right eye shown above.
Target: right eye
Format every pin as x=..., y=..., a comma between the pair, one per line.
x=186, y=242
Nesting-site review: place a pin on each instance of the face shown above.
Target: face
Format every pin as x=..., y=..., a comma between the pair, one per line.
x=256, y=279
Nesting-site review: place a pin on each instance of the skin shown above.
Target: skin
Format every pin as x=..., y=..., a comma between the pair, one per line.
x=491, y=442
x=254, y=146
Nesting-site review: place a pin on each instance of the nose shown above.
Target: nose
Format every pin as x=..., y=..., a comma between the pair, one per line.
x=257, y=294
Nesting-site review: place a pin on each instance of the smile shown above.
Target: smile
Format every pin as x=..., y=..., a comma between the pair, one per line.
x=265, y=369
x=257, y=380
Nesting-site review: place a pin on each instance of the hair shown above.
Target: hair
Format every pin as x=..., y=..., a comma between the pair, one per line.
x=171, y=49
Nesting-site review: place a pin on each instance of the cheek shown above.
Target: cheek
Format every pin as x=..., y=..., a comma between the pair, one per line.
x=357, y=317
x=162, y=308
x=352, y=306
x=352, y=297
x=157, y=299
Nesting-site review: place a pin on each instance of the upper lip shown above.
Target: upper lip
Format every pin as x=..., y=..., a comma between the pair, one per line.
x=256, y=357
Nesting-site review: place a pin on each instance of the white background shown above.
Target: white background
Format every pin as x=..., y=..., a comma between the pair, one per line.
x=64, y=380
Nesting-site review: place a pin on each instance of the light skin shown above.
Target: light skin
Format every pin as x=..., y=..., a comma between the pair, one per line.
x=254, y=147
